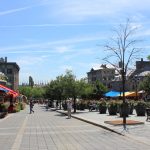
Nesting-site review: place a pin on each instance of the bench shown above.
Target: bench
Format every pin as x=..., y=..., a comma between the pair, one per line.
x=148, y=114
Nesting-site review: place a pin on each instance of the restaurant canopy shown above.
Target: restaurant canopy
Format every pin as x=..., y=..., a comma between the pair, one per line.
x=9, y=91
x=112, y=94
x=130, y=94
x=3, y=90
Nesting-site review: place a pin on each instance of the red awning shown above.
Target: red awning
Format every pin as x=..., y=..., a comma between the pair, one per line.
x=10, y=91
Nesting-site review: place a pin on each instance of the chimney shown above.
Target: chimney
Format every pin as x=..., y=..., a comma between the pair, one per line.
x=5, y=59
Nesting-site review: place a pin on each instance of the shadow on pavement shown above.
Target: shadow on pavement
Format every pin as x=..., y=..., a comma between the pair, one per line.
x=60, y=115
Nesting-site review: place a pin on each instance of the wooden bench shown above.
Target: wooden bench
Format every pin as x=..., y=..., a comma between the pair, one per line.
x=148, y=114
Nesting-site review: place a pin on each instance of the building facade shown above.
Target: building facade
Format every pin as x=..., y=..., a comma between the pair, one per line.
x=103, y=74
x=113, y=80
x=138, y=75
x=11, y=70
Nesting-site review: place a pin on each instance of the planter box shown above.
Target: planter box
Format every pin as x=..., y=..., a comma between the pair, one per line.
x=112, y=110
x=3, y=114
x=140, y=111
x=102, y=109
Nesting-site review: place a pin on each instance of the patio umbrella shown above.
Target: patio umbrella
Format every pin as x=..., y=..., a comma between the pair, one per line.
x=112, y=94
x=130, y=94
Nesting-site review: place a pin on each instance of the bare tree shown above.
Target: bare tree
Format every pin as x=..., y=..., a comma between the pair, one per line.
x=122, y=48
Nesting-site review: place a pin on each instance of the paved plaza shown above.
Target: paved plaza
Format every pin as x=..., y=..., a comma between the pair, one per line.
x=50, y=130
x=139, y=132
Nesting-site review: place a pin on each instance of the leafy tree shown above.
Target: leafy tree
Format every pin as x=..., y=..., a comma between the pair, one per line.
x=145, y=85
x=38, y=92
x=99, y=89
x=55, y=90
x=71, y=87
x=25, y=90
x=31, y=82
x=85, y=89
x=148, y=57
x=35, y=92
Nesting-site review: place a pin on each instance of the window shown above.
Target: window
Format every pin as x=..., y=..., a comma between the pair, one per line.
x=9, y=71
x=10, y=79
x=104, y=78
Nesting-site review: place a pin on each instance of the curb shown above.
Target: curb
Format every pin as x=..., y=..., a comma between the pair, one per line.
x=93, y=123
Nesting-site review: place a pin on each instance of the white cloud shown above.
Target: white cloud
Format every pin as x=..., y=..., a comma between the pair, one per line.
x=62, y=49
x=30, y=60
x=14, y=10
x=49, y=25
x=49, y=47
x=78, y=11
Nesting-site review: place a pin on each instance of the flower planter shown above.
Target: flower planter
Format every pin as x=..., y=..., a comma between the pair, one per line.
x=131, y=108
x=102, y=109
x=102, y=106
x=124, y=109
x=3, y=114
x=140, y=111
x=140, y=108
x=81, y=106
x=112, y=108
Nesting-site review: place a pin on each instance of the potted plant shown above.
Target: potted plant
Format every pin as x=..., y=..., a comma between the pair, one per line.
x=140, y=108
x=131, y=107
x=3, y=110
x=81, y=105
x=102, y=107
x=112, y=107
x=124, y=109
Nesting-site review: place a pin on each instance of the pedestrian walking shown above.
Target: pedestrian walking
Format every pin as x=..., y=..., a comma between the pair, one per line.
x=56, y=104
x=31, y=106
x=69, y=107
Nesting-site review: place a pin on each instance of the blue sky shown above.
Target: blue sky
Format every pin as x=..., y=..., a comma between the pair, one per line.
x=47, y=37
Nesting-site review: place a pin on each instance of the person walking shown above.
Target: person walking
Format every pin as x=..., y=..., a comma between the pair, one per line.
x=57, y=104
x=69, y=107
x=31, y=106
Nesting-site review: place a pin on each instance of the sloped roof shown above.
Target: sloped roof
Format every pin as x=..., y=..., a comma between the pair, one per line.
x=144, y=73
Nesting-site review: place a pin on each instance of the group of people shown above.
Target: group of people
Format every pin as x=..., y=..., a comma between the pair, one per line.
x=69, y=107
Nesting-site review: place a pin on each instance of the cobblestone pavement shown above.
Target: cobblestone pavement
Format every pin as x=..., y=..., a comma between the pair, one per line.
x=50, y=130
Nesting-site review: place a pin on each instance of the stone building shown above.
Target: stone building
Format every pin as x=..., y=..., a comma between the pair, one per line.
x=11, y=70
x=133, y=78
x=103, y=74
x=137, y=76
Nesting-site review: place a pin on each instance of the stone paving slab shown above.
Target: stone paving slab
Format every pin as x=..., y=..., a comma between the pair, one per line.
x=50, y=130
x=138, y=132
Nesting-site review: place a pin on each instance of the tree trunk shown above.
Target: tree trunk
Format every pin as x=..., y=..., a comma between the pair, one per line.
x=74, y=101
